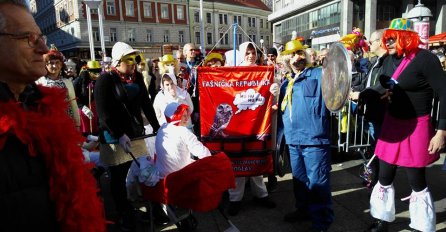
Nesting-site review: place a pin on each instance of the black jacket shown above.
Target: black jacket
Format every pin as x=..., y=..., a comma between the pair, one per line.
x=110, y=96
x=24, y=184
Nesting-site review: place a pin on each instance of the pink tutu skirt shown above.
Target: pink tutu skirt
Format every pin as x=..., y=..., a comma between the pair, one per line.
x=404, y=142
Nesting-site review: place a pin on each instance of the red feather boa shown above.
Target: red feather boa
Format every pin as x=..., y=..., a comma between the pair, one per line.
x=50, y=132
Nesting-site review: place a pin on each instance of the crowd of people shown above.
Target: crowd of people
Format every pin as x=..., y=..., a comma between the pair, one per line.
x=46, y=182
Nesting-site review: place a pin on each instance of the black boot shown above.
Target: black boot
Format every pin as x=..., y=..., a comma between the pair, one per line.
x=378, y=226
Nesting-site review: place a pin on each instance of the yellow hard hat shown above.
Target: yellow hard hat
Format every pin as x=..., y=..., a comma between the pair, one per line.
x=93, y=64
x=292, y=46
x=213, y=55
x=168, y=58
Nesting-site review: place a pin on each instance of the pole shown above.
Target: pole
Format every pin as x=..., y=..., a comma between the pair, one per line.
x=90, y=32
x=203, y=49
x=234, y=42
x=101, y=29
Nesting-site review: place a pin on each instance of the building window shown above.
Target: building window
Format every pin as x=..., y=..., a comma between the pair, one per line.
x=129, y=8
x=94, y=11
x=223, y=19
x=95, y=33
x=166, y=36
x=148, y=35
x=197, y=16
x=181, y=36
x=164, y=11
x=238, y=19
x=261, y=23
x=209, y=38
x=224, y=39
x=253, y=38
x=251, y=22
x=147, y=7
x=131, y=34
x=267, y=40
x=113, y=34
x=110, y=7
x=197, y=37
x=208, y=17
x=180, y=12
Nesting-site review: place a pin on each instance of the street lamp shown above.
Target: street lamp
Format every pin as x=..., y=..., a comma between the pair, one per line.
x=421, y=15
x=95, y=4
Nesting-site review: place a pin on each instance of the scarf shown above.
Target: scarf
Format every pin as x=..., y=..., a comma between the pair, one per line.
x=50, y=133
x=125, y=78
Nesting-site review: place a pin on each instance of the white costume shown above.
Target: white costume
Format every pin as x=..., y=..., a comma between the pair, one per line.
x=174, y=145
x=163, y=98
x=258, y=187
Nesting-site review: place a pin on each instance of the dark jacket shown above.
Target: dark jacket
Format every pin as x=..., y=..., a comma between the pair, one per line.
x=111, y=95
x=370, y=97
x=24, y=184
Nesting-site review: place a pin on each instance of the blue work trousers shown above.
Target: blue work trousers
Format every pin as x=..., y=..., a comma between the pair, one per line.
x=311, y=167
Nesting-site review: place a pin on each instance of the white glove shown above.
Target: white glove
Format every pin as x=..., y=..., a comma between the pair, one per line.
x=274, y=89
x=124, y=142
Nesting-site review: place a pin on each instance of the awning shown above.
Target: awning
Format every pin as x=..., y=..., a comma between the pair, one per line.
x=325, y=39
x=437, y=40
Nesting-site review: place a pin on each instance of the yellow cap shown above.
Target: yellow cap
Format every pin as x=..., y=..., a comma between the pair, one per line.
x=292, y=46
x=213, y=55
x=93, y=64
x=168, y=58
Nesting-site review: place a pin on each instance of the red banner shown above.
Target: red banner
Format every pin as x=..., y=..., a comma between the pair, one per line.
x=235, y=115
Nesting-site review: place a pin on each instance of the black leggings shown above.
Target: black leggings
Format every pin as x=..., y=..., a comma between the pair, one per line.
x=416, y=176
x=118, y=175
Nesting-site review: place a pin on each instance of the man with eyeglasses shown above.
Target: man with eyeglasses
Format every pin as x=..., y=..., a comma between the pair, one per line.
x=120, y=97
x=371, y=96
x=44, y=183
x=192, y=61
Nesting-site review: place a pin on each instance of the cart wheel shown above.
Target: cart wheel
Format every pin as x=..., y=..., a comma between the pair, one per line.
x=188, y=224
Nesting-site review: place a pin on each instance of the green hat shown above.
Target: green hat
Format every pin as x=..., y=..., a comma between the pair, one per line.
x=401, y=24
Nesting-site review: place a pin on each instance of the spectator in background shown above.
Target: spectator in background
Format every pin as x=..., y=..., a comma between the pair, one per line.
x=56, y=77
x=321, y=56
x=313, y=56
x=213, y=59
x=192, y=61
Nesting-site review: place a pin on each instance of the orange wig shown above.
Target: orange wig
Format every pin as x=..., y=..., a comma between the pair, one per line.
x=406, y=42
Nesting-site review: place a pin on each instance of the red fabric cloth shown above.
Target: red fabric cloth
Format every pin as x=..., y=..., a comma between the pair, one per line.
x=85, y=121
x=198, y=186
x=51, y=133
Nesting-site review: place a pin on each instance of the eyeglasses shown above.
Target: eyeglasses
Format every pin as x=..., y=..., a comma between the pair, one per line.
x=33, y=38
x=271, y=56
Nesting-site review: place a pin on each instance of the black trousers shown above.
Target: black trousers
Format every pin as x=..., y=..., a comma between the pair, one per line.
x=118, y=175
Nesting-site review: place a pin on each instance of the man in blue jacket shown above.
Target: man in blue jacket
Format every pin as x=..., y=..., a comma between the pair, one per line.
x=306, y=128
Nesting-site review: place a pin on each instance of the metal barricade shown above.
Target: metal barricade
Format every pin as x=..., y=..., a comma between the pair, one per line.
x=352, y=135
